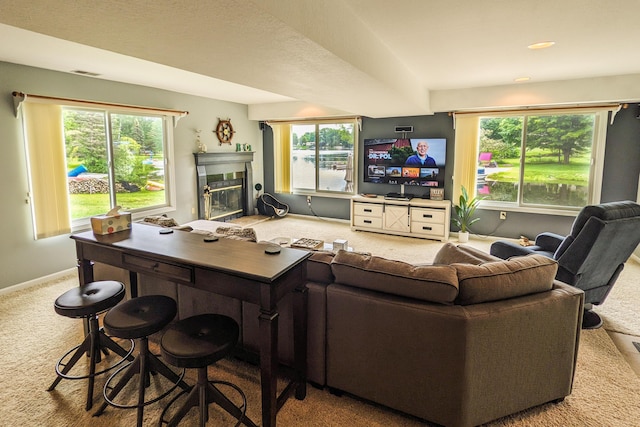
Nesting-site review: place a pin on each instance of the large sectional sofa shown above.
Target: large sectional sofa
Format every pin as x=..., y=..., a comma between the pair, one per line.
x=464, y=341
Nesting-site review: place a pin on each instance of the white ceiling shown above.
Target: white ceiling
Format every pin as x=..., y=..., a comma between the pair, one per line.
x=376, y=58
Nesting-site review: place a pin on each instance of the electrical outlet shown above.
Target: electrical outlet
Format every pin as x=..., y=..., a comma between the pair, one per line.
x=503, y=215
x=309, y=200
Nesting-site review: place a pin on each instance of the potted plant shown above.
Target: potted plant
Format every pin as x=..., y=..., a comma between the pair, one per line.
x=465, y=210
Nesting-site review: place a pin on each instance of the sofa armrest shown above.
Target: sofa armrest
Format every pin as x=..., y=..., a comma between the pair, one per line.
x=549, y=241
x=505, y=249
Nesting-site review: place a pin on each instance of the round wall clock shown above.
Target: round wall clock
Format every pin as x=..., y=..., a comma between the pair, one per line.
x=224, y=131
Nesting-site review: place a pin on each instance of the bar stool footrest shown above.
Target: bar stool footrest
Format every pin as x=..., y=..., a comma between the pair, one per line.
x=107, y=386
x=212, y=397
x=60, y=366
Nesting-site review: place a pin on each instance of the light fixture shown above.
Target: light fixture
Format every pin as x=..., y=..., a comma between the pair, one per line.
x=541, y=45
x=521, y=79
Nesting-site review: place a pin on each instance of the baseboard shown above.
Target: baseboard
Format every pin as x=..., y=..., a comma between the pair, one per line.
x=323, y=218
x=36, y=282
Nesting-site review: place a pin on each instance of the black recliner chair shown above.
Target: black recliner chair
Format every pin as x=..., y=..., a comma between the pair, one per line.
x=591, y=257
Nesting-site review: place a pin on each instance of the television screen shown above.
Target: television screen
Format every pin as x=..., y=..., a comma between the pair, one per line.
x=408, y=161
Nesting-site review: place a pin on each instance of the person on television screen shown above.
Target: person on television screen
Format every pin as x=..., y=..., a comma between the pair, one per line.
x=421, y=157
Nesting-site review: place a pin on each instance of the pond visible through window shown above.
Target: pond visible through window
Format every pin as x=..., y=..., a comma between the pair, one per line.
x=536, y=159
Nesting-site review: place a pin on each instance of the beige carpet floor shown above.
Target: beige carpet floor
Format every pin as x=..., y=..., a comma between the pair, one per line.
x=32, y=336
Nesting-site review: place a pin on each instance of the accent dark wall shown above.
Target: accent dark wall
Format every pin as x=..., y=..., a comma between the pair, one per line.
x=620, y=176
x=622, y=156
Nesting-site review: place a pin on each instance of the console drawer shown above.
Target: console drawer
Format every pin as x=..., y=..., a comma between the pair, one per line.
x=168, y=271
x=367, y=221
x=427, y=228
x=427, y=215
x=367, y=209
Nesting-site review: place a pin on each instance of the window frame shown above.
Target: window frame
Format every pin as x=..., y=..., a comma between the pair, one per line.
x=169, y=120
x=168, y=154
x=280, y=163
x=596, y=158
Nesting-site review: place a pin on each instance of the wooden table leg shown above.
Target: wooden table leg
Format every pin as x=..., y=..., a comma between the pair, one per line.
x=300, y=302
x=269, y=366
x=133, y=284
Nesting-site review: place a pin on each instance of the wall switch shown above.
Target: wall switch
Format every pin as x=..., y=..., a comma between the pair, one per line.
x=503, y=215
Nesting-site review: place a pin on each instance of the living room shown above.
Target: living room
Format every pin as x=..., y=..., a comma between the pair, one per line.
x=26, y=259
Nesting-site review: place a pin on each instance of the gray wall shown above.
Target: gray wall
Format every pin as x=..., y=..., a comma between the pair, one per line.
x=620, y=176
x=24, y=258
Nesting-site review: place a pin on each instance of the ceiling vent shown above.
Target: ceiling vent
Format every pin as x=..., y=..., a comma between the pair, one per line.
x=85, y=73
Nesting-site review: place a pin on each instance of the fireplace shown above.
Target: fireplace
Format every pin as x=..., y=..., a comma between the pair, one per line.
x=229, y=178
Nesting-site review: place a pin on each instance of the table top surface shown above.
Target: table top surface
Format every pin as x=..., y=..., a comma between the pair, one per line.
x=236, y=257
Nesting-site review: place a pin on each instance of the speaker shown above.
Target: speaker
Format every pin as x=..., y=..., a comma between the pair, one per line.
x=404, y=128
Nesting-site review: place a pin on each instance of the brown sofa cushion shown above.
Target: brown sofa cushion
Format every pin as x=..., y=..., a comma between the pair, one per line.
x=435, y=283
x=499, y=280
x=319, y=267
x=450, y=253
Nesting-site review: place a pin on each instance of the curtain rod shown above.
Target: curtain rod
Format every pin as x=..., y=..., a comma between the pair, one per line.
x=525, y=109
x=19, y=97
x=312, y=119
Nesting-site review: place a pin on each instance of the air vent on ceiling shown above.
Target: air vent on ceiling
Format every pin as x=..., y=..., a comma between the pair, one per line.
x=85, y=73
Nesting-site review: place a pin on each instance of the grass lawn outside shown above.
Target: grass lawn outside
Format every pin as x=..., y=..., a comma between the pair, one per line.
x=87, y=205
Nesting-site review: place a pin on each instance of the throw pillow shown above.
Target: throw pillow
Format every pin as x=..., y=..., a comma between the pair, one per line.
x=499, y=280
x=450, y=253
x=162, y=220
x=435, y=283
x=248, y=234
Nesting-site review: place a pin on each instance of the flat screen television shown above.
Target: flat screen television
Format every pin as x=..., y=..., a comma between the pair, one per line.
x=405, y=161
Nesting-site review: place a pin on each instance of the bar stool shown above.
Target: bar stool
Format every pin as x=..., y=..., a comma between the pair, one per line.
x=137, y=319
x=197, y=342
x=87, y=302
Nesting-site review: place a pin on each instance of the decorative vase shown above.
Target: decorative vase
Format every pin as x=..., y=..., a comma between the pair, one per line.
x=207, y=206
x=463, y=236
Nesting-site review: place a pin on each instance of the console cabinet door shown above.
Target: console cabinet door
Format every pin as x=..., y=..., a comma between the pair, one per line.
x=396, y=218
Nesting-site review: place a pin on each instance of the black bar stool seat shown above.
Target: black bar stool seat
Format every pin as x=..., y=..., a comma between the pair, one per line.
x=197, y=342
x=88, y=302
x=137, y=319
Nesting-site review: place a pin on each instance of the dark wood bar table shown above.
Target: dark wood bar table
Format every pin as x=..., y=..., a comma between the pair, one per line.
x=233, y=268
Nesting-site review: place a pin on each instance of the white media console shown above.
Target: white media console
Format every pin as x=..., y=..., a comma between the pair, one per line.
x=423, y=218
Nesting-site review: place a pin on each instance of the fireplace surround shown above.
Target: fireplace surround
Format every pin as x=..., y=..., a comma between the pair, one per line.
x=229, y=177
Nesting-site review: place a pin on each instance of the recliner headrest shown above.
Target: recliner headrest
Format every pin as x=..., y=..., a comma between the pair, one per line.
x=606, y=212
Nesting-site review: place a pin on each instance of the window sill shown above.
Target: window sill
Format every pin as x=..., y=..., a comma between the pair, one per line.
x=84, y=224
x=497, y=206
x=321, y=194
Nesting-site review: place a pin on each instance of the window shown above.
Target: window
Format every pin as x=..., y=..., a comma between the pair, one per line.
x=85, y=159
x=315, y=156
x=113, y=160
x=544, y=159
